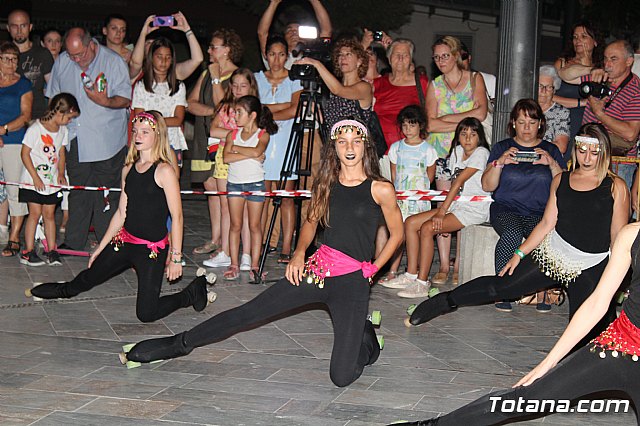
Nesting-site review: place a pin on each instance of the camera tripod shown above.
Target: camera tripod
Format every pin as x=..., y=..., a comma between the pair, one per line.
x=308, y=116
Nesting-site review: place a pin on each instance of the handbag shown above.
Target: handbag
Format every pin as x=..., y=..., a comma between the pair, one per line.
x=376, y=135
x=487, y=123
x=620, y=147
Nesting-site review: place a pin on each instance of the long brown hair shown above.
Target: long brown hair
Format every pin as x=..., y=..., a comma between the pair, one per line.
x=328, y=177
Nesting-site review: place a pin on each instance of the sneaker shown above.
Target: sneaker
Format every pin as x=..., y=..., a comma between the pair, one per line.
x=504, y=306
x=31, y=258
x=218, y=261
x=543, y=307
x=53, y=258
x=400, y=282
x=415, y=290
x=245, y=262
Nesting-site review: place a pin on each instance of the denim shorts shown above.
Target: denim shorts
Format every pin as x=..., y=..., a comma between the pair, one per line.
x=244, y=187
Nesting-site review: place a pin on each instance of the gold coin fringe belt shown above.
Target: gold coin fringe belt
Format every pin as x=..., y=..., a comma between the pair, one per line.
x=125, y=237
x=621, y=338
x=562, y=262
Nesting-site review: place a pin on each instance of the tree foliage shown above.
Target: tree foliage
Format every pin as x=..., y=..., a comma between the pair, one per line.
x=345, y=14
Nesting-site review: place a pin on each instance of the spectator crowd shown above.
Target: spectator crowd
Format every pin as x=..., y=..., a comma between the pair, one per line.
x=66, y=104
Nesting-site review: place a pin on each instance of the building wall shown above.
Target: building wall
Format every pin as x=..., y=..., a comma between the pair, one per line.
x=482, y=30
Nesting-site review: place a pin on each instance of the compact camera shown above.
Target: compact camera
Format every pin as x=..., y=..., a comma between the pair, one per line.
x=377, y=35
x=597, y=90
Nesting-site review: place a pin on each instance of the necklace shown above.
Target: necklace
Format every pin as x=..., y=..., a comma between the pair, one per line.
x=457, y=84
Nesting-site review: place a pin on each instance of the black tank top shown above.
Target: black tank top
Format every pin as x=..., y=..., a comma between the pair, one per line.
x=584, y=217
x=147, y=208
x=353, y=220
x=632, y=304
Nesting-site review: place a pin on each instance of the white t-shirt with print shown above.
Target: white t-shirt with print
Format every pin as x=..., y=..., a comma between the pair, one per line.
x=161, y=101
x=45, y=154
x=411, y=163
x=477, y=160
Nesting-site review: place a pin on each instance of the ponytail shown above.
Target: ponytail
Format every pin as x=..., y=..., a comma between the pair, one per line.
x=265, y=121
x=264, y=118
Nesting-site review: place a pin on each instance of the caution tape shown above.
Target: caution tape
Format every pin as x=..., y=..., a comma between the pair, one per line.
x=410, y=195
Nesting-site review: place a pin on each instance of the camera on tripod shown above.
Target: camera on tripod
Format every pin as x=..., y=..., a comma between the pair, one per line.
x=311, y=46
x=597, y=90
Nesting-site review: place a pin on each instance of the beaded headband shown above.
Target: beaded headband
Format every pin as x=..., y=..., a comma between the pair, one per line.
x=583, y=143
x=348, y=126
x=146, y=118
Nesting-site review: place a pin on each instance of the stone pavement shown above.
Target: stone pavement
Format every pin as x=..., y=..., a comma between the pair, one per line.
x=59, y=364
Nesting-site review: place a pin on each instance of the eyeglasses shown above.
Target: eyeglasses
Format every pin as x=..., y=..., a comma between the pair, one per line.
x=9, y=59
x=546, y=87
x=214, y=47
x=79, y=56
x=443, y=57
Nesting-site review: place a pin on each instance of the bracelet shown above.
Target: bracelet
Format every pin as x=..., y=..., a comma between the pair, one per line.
x=6, y=129
x=189, y=31
x=177, y=253
x=495, y=164
x=520, y=253
x=177, y=261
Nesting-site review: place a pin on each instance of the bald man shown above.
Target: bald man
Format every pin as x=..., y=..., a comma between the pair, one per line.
x=35, y=61
x=98, y=137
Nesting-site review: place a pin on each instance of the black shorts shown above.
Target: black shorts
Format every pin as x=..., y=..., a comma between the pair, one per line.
x=30, y=196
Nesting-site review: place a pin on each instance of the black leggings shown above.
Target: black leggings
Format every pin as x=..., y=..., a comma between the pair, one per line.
x=526, y=279
x=582, y=373
x=347, y=297
x=109, y=263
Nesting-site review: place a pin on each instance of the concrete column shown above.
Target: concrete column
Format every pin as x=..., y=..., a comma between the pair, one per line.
x=519, y=46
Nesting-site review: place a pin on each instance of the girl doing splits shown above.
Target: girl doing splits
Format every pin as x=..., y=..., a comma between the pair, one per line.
x=608, y=363
x=569, y=247
x=348, y=197
x=137, y=234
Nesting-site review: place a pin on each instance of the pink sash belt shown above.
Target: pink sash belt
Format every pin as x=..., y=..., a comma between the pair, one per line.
x=622, y=336
x=329, y=262
x=123, y=236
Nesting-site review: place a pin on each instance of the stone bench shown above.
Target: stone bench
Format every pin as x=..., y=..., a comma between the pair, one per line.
x=477, y=251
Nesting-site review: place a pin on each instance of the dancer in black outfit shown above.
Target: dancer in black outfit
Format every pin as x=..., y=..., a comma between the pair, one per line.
x=608, y=363
x=586, y=209
x=348, y=197
x=137, y=233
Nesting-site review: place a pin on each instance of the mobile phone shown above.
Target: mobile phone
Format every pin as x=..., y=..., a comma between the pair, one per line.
x=526, y=156
x=164, y=21
x=377, y=35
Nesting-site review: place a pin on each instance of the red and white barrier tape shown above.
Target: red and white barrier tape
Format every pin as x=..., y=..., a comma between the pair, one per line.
x=411, y=195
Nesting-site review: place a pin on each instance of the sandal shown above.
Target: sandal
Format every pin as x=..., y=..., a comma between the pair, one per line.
x=391, y=275
x=284, y=258
x=232, y=273
x=11, y=249
x=440, y=278
x=254, y=277
x=206, y=248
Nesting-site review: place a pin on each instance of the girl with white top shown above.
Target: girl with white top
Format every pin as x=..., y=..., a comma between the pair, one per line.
x=243, y=150
x=466, y=161
x=160, y=90
x=43, y=156
x=413, y=167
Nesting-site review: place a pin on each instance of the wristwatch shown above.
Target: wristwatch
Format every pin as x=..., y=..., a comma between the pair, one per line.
x=215, y=81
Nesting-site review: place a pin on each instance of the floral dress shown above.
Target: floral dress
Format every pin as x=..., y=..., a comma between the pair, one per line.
x=448, y=103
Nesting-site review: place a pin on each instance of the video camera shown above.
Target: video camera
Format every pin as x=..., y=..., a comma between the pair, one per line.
x=597, y=90
x=311, y=46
